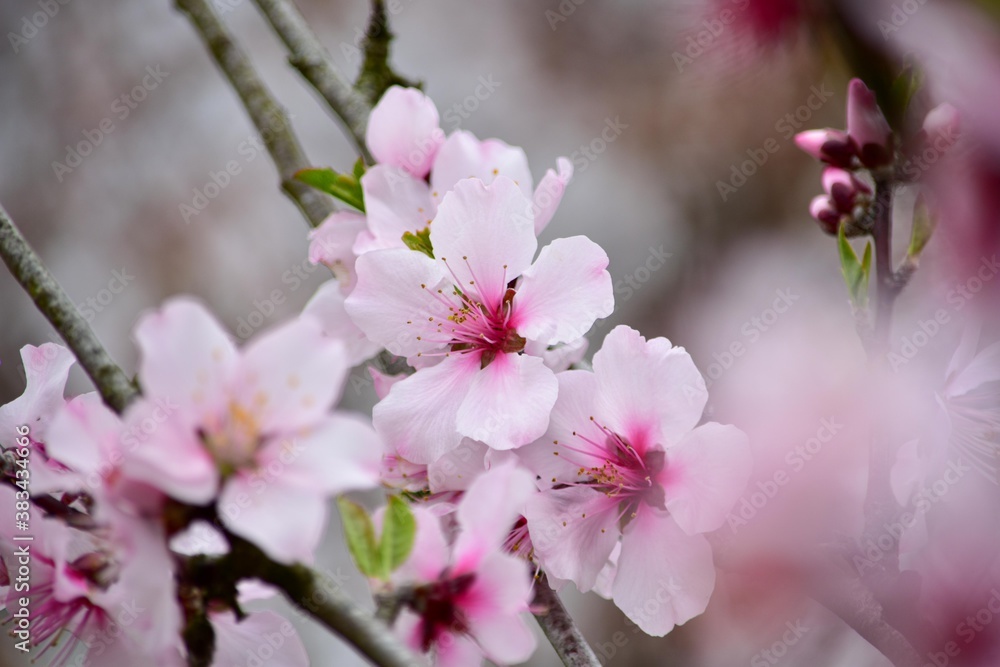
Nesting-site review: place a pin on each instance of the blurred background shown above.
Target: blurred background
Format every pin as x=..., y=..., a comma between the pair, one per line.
x=680, y=123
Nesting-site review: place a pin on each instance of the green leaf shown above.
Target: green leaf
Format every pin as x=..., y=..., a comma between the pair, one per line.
x=342, y=186
x=360, y=534
x=923, y=228
x=905, y=86
x=856, y=273
x=359, y=169
x=399, y=530
x=421, y=241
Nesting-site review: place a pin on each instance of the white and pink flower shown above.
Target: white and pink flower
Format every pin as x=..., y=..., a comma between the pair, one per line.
x=624, y=460
x=473, y=308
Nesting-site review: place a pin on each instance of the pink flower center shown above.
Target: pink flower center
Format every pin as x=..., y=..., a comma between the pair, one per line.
x=232, y=438
x=55, y=620
x=474, y=325
x=439, y=606
x=625, y=473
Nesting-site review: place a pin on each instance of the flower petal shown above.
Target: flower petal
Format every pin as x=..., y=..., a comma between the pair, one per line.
x=291, y=375
x=665, y=577
x=332, y=244
x=569, y=425
x=430, y=554
x=488, y=510
x=341, y=453
x=705, y=475
x=395, y=296
x=285, y=520
x=418, y=416
x=564, y=292
x=464, y=156
x=327, y=306
x=46, y=368
x=573, y=531
x=262, y=637
x=484, y=236
x=395, y=203
x=186, y=357
x=492, y=606
x=403, y=130
x=509, y=402
x=549, y=193
x=164, y=454
x=648, y=391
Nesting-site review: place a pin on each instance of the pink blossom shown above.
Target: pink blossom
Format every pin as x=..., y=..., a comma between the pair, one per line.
x=249, y=425
x=399, y=195
x=403, y=130
x=327, y=306
x=834, y=147
x=622, y=449
x=332, y=245
x=475, y=306
x=867, y=126
x=111, y=589
x=468, y=596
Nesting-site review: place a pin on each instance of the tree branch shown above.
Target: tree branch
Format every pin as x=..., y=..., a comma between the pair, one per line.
x=559, y=627
x=854, y=603
x=267, y=115
x=308, y=56
x=327, y=605
x=114, y=387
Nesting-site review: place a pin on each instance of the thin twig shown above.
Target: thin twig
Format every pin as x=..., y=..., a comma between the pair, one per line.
x=267, y=115
x=559, y=627
x=51, y=300
x=308, y=56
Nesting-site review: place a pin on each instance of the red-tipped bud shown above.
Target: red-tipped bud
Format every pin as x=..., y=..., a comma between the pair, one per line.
x=834, y=147
x=843, y=188
x=823, y=209
x=867, y=126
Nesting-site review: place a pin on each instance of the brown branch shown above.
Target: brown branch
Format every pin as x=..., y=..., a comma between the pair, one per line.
x=267, y=115
x=50, y=299
x=559, y=627
x=307, y=55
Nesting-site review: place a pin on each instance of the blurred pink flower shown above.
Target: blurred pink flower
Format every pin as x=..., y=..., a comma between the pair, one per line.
x=466, y=598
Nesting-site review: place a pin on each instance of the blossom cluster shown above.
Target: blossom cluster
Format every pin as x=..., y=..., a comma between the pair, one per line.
x=513, y=455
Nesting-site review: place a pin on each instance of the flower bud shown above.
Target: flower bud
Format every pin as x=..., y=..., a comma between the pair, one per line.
x=941, y=121
x=834, y=147
x=823, y=210
x=843, y=188
x=867, y=126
